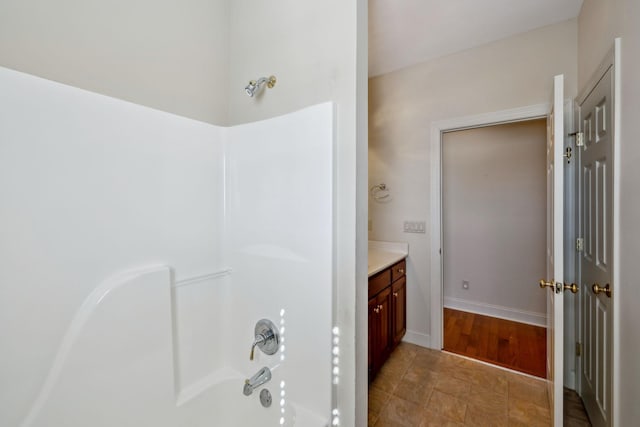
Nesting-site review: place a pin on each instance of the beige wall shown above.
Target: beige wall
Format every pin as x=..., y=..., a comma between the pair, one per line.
x=599, y=22
x=494, y=221
x=510, y=73
x=629, y=214
x=167, y=55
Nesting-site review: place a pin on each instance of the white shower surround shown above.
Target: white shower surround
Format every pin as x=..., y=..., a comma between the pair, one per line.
x=148, y=245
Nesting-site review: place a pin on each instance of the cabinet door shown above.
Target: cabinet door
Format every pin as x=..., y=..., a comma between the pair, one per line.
x=373, y=328
x=398, y=270
x=385, y=343
x=399, y=309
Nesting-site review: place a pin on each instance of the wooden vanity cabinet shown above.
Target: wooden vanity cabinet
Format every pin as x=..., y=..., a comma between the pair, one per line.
x=399, y=309
x=387, y=314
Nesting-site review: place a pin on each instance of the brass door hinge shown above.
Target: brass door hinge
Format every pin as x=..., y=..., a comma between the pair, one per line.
x=579, y=138
x=579, y=244
x=578, y=349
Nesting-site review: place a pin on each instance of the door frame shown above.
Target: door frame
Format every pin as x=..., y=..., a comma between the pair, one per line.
x=532, y=112
x=611, y=60
x=536, y=111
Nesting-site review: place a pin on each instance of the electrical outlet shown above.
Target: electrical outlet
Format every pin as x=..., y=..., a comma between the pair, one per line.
x=465, y=285
x=415, y=227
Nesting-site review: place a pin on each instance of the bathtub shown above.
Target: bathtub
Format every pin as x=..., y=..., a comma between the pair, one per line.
x=226, y=406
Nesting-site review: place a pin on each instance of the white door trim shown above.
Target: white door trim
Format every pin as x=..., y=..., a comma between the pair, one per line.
x=615, y=381
x=435, y=198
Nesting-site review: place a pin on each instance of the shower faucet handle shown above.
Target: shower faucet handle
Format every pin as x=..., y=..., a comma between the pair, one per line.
x=259, y=339
x=267, y=338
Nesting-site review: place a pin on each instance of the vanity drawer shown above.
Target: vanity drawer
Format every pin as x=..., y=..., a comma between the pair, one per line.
x=379, y=281
x=398, y=270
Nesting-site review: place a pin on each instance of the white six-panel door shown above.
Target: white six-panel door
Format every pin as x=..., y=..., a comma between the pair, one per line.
x=596, y=175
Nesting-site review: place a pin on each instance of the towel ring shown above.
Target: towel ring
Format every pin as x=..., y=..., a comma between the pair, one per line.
x=380, y=192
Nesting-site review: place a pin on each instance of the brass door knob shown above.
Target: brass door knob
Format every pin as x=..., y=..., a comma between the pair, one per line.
x=545, y=284
x=596, y=288
x=572, y=287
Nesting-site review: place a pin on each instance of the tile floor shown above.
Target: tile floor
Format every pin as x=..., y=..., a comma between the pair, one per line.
x=418, y=387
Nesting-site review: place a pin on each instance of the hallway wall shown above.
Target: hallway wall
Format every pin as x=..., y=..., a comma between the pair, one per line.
x=494, y=221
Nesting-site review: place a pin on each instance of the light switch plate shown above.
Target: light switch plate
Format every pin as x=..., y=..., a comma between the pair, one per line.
x=415, y=227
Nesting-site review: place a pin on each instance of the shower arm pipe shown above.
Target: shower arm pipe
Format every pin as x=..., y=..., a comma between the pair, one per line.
x=270, y=81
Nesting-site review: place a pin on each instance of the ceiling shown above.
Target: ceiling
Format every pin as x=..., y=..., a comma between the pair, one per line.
x=407, y=32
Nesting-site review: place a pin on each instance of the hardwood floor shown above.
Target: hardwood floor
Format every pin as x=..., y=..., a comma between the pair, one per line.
x=513, y=345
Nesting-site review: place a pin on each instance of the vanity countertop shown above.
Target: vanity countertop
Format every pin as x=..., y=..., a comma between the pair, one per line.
x=385, y=254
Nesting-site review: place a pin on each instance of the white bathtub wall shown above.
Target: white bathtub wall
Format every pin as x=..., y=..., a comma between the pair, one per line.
x=102, y=375
x=279, y=214
x=200, y=308
x=92, y=186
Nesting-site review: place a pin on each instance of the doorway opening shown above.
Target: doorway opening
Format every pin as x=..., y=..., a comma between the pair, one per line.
x=494, y=242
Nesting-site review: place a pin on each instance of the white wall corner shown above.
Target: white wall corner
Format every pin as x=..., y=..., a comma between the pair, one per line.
x=417, y=338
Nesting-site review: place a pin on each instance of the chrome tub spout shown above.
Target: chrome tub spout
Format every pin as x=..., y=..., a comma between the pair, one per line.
x=261, y=377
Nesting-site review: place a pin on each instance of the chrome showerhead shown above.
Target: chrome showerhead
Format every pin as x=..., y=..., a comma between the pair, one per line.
x=251, y=88
x=254, y=85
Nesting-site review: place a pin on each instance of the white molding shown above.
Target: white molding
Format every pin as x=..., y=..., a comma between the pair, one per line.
x=570, y=380
x=499, y=311
x=435, y=196
x=202, y=278
x=616, y=392
x=570, y=253
x=417, y=338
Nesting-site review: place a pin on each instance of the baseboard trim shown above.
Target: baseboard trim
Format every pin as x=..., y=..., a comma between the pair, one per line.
x=570, y=379
x=501, y=312
x=417, y=338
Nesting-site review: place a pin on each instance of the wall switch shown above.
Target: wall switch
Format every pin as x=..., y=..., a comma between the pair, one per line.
x=465, y=285
x=415, y=227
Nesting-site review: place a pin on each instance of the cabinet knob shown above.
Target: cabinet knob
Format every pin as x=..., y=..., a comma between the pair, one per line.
x=376, y=310
x=395, y=295
x=381, y=307
x=401, y=270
